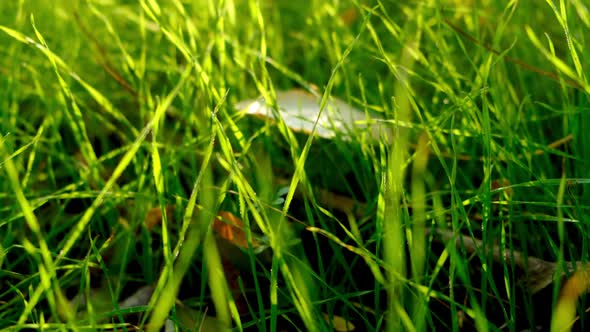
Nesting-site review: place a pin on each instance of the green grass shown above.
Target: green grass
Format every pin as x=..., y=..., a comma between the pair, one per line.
x=111, y=108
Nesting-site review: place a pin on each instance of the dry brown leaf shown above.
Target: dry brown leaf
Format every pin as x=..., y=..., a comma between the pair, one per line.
x=141, y=297
x=300, y=109
x=332, y=200
x=364, y=308
x=340, y=324
x=153, y=217
x=565, y=311
x=540, y=273
x=349, y=16
x=502, y=183
x=231, y=228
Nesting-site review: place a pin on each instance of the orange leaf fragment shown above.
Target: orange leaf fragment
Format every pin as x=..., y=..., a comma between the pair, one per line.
x=564, y=314
x=231, y=228
x=153, y=217
x=340, y=324
x=501, y=184
x=349, y=16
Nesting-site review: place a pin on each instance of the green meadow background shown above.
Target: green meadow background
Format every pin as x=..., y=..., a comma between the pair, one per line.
x=120, y=142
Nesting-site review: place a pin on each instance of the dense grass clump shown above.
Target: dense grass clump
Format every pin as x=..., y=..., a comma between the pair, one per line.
x=136, y=195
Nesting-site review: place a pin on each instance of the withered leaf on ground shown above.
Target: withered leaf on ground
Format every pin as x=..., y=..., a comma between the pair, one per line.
x=231, y=228
x=577, y=285
x=300, y=110
x=539, y=272
x=153, y=217
x=340, y=324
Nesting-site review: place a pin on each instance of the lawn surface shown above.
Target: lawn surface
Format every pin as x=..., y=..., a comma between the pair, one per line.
x=125, y=165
